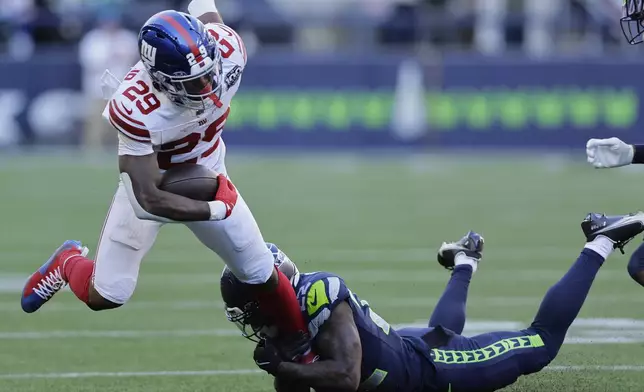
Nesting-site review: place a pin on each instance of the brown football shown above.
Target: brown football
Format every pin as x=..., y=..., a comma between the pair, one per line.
x=190, y=180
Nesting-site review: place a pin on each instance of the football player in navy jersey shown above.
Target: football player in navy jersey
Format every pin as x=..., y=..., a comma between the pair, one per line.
x=613, y=152
x=360, y=351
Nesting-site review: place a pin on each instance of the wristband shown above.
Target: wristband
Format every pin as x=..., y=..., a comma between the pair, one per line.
x=217, y=210
x=638, y=153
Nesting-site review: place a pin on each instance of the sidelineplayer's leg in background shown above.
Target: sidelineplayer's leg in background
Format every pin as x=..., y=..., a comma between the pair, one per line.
x=636, y=265
x=462, y=258
x=564, y=300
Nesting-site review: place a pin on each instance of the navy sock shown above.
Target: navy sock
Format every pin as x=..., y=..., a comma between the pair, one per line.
x=636, y=265
x=564, y=300
x=450, y=309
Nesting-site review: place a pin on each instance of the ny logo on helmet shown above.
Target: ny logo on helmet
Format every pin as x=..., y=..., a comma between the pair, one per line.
x=148, y=53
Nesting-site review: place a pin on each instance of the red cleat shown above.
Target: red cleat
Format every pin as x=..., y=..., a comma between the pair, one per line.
x=49, y=279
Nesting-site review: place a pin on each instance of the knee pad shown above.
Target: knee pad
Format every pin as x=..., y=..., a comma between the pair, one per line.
x=254, y=267
x=117, y=291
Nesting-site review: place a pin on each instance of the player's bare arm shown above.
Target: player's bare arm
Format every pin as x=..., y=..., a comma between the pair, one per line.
x=340, y=350
x=205, y=11
x=143, y=172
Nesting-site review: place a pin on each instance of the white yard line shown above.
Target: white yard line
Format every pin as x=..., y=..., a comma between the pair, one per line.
x=117, y=334
x=583, y=331
x=357, y=255
x=184, y=373
x=215, y=305
x=14, y=283
x=244, y=372
x=608, y=368
x=422, y=303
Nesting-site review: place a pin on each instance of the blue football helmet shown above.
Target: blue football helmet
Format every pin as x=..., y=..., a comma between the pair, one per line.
x=182, y=59
x=240, y=299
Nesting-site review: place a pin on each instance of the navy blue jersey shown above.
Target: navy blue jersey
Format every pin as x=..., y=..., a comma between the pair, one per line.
x=390, y=363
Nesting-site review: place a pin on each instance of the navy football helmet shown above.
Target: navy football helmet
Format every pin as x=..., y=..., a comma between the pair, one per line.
x=633, y=21
x=183, y=59
x=240, y=299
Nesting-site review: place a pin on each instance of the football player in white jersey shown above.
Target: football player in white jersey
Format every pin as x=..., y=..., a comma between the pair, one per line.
x=170, y=109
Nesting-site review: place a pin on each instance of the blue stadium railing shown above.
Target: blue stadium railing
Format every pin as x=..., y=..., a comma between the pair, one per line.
x=374, y=101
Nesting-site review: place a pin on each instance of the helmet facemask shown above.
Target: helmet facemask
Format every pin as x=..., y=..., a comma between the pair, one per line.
x=250, y=322
x=198, y=91
x=243, y=309
x=632, y=22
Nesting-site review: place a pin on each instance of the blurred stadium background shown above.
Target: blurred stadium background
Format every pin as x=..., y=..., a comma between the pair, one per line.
x=364, y=134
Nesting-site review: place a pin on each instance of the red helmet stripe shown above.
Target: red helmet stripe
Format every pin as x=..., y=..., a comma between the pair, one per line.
x=184, y=33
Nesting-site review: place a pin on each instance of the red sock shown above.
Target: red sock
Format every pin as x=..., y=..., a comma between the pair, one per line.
x=78, y=272
x=283, y=305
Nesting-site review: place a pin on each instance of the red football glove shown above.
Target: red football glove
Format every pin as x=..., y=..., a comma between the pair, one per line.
x=226, y=193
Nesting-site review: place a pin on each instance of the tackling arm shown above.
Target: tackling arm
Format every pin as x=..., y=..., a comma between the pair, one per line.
x=338, y=344
x=205, y=11
x=140, y=175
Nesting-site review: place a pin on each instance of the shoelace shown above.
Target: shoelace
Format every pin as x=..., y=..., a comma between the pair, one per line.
x=50, y=284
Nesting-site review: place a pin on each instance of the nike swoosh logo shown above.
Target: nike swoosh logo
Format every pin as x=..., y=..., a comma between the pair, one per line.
x=261, y=363
x=128, y=111
x=623, y=222
x=315, y=300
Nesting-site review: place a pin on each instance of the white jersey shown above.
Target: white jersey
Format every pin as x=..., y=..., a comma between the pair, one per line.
x=148, y=121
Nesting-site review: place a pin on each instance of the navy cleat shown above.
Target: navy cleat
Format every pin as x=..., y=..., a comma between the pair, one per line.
x=620, y=229
x=471, y=246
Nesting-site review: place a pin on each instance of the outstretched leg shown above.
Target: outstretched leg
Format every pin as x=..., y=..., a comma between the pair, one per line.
x=450, y=309
x=564, y=300
x=462, y=258
x=492, y=361
x=109, y=281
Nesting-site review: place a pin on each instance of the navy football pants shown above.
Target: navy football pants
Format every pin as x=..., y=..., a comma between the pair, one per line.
x=492, y=361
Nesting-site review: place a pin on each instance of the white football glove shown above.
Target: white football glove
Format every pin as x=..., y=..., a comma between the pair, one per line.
x=607, y=153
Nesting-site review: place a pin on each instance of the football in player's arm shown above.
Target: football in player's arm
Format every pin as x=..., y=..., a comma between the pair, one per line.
x=337, y=344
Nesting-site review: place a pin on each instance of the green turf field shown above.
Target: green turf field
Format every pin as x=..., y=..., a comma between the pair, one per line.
x=376, y=221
